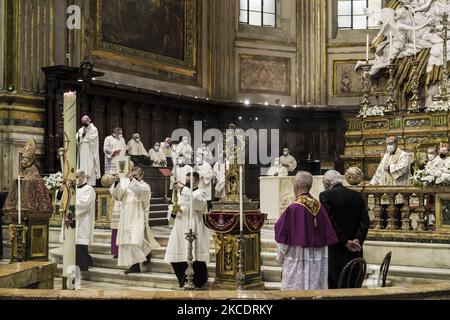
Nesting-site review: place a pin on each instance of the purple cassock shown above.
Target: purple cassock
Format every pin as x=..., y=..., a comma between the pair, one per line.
x=305, y=223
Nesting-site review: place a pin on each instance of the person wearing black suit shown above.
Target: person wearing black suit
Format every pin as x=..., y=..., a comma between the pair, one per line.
x=348, y=214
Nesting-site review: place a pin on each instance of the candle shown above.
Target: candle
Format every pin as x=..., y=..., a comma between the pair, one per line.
x=241, y=202
x=414, y=39
x=367, y=49
x=190, y=202
x=19, y=201
x=390, y=46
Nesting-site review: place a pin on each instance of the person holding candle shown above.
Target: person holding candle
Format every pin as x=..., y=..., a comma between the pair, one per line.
x=303, y=233
x=193, y=207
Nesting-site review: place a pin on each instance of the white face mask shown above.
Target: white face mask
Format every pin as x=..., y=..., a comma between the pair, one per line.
x=120, y=136
x=276, y=163
x=431, y=157
x=199, y=160
x=185, y=140
x=390, y=148
x=156, y=148
x=285, y=153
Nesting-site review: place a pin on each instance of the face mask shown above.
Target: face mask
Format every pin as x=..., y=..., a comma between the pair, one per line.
x=199, y=160
x=137, y=139
x=285, y=153
x=390, y=148
x=277, y=163
x=181, y=162
x=185, y=141
x=431, y=157
x=156, y=148
x=120, y=136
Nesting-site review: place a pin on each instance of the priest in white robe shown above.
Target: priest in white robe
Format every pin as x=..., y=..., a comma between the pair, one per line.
x=135, y=146
x=206, y=176
x=179, y=173
x=185, y=149
x=176, y=253
x=395, y=167
x=303, y=233
x=277, y=169
x=157, y=157
x=434, y=162
x=134, y=235
x=288, y=162
x=114, y=146
x=84, y=220
x=166, y=149
x=88, y=150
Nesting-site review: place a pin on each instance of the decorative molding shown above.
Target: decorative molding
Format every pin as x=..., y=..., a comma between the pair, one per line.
x=264, y=74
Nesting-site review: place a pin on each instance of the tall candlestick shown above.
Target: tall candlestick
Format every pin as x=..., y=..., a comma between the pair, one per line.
x=367, y=49
x=19, y=202
x=390, y=46
x=414, y=41
x=241, y=202
x=190, y=202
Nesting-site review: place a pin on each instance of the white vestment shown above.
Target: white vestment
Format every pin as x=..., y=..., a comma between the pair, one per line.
x=399, y=165
x=179, y=173
x=88, y=153
x=134, y=236
x=303, y=268
x=219, y=174
x=289, y=162
x=436, y=164
x=84, y=216
x=177, y=245
x=186, y=150
x=136, y=148
x=110, y=145
x=206, y=175
x=166, y=149
x=158, y=157
x=117, y=205
x=280, y=171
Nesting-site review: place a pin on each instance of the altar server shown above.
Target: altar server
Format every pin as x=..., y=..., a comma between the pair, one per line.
x=303, y=233
x=288, y=161
x=88, y=150
x=114, y=146
x=176, y=253
x=135, y=146
x=434, y=161
x=179, y=173
x=206, y=175
x=157, y=157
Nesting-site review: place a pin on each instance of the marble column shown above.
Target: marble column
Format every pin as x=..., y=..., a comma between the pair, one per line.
x=311, y=52
x=221, y=37
x=28, y=31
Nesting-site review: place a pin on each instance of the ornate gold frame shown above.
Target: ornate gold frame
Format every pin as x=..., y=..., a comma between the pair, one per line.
x=356, y=94
x=186, y=67
x=438, y=205
x=33, y=239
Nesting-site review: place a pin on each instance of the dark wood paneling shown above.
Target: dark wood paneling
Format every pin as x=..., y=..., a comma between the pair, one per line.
x=155, y=115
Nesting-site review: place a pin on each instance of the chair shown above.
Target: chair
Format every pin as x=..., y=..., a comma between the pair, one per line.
x=384, y=269
x=353, y=274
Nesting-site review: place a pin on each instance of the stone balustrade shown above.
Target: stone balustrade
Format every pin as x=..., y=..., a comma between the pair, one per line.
x=413, y=213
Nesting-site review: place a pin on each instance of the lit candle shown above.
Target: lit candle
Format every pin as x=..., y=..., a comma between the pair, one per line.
x=390, y=46
x=241, y=202
x=190, y=202
x=19, y=201
x=414, y=40
x=367, y=49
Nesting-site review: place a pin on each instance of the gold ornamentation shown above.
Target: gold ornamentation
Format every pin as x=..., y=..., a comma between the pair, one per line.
x=230, y=251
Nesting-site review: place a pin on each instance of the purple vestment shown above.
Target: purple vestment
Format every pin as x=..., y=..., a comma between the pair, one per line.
x=305, y=223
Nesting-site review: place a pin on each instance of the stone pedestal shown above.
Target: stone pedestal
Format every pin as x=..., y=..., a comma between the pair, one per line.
x=224, y=220
x=29, y=274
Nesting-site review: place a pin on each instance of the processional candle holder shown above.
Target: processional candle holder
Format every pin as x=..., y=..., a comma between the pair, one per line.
x=391, y=104
x=365, y=102
x=240, y=275
x=414, y=101
x=190, y=237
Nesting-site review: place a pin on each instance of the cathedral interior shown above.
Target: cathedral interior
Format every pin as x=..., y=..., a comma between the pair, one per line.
x=328, y=81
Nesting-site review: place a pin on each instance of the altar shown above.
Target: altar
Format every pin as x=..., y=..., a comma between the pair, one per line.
x=277, y=193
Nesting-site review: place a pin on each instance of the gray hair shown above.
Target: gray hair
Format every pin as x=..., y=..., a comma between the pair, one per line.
x=303, y=179
x=331, y=177
x=81, y=173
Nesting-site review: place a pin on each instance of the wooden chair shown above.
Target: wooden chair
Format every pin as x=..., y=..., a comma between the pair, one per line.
x=353, y=274
x=384, y=269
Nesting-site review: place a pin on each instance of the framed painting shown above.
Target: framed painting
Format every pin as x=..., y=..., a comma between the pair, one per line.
x=122, y=166
x=348, y=83
x=161, y=34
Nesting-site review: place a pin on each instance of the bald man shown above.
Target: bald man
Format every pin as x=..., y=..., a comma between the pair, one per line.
x=394, y=168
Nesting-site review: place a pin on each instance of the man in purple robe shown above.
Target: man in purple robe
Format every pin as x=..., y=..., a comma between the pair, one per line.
x=303, y=233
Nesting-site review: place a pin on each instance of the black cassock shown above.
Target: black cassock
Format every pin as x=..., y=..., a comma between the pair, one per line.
x=200, y=273
x=348, y=214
